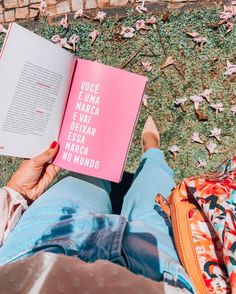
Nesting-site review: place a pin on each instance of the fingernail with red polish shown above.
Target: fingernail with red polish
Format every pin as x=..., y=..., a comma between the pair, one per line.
x=53, y=145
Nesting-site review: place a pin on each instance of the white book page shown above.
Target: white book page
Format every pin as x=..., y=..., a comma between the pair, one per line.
x=35, y=77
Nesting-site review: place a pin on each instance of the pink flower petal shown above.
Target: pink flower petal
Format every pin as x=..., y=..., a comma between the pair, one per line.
x=141, y=8
x=127, y=32
x=140, y=25
x=216, y=133
x=152, y=20
x=43, y=7
x=145, y=100
x=93, y=36
x=201, y=163
x=196, y=99
x=147, y=66
x=180, y=101
x=64, y=22
x=206, y=94
x=100, y=16
x=196, y=138
x=212, y=148
x=174, y=149
x=233, y=109
x=218, y=107
x=56, y=39
x=230, y=69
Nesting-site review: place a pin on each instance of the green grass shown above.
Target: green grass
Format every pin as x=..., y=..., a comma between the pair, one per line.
x=198, y=71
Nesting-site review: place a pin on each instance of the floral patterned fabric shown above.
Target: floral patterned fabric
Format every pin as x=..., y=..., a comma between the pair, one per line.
x=214, y=233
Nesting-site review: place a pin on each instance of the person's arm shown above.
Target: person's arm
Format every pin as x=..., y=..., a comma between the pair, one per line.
x=12, y=205
x=31, y=179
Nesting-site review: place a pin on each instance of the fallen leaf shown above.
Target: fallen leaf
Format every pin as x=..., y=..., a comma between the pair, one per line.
x=215, y=59
x=182, y=53
x=197, y=38
x=200, y=116
x=193, y=35
x=216, y=24
x=232, y=79
x=9, y=160
x=169, y=61
x=165, y=15
x=118, y=38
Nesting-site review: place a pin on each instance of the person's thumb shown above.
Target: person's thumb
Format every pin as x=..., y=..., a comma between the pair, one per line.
x=47, y=155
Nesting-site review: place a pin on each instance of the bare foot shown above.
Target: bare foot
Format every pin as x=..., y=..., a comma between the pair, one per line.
x=150, y=141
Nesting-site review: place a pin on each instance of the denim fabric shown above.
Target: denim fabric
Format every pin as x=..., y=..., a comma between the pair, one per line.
x=74, y=217
x=148, y=239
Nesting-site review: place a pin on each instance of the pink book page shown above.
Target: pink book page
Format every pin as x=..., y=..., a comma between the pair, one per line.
x=99, y=120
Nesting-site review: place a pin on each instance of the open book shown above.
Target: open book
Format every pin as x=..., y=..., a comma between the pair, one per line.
x=47, y=94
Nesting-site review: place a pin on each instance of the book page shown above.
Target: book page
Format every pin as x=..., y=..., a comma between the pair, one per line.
x=35, y=76
x=100, y=117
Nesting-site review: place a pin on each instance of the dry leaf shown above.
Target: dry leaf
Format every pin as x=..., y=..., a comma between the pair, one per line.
x=169, y=61
x=118, y=38
x=215, y=59
x=193, y=35
x=200, y=116
x=9, y=160
x=217, y=24
x=165, y=15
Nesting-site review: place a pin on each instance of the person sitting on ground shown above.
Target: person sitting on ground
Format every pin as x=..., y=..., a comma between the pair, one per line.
x=74, y=218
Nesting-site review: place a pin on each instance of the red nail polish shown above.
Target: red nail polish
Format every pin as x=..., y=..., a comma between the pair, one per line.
x=53, y=145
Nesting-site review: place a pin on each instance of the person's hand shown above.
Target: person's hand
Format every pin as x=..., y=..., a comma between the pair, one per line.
x=35, y=175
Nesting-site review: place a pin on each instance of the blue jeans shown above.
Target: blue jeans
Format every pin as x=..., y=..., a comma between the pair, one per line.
x=74, y=217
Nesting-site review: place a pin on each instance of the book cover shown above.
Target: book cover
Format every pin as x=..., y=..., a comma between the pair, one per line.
x=90, y=108
x=99, y=120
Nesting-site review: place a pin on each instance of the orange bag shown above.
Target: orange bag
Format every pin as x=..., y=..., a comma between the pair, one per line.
x=203, y=216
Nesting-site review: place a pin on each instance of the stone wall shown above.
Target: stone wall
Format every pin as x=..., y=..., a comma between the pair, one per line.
x=16, y=10
x=11, y=10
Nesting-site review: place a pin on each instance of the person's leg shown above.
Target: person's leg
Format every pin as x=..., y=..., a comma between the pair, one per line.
x=69, y=198
x=148, y=240
x=152, y=177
